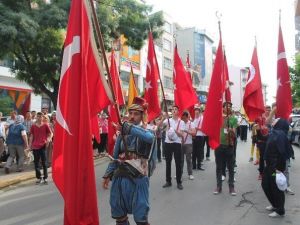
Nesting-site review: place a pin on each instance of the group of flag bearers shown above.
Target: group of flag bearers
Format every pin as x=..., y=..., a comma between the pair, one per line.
x=84, y=91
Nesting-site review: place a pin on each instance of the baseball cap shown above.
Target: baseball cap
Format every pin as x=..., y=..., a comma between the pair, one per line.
x=281, y=181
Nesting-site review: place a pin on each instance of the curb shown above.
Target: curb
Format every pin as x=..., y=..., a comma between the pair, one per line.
x=31, y=175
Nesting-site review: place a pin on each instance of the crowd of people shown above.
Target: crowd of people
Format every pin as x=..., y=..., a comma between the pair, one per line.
x=176, y=134
x=27, y=139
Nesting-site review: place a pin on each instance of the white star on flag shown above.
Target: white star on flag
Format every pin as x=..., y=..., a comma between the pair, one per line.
x=148, y=85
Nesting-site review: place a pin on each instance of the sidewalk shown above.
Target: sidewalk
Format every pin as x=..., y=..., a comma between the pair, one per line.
x=15, y=178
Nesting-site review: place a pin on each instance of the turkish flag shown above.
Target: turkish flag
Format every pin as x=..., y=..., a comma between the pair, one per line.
x=184, y=93
x=152, y=76
x=113, y=118
x=213, y=115
x=227, y=94
x=284, y=96
x=253, y=100
x=83, y=92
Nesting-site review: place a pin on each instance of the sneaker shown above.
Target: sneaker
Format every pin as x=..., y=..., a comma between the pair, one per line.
x=251, y=159
x=232, y=191
x=289, y=191
x=217, y=191
x=191, y=177
x=179, y=186
x=38, y=181
x=275, y=215
x=175, y=176
x=200, y=168
x=270, y=208
x=234, y=180
x=223, y=177
x=44, y=181
x=168, y=184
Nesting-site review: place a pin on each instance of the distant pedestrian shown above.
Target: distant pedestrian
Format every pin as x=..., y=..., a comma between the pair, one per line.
x=40, y=137
x=198, y=140
x=173, y=147
x=17, y=142
x=243, y=128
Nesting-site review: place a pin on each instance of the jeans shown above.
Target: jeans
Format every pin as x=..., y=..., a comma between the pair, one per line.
x=173, y=148
x=224, y=156
x=40, y=155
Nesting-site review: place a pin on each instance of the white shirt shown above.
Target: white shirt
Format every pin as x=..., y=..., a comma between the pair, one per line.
x=198, y=124
x=187, y=138
x=174, y=124
x=2, y=130
x=243, y=122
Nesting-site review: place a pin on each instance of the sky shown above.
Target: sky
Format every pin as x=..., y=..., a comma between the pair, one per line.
x=241, y=21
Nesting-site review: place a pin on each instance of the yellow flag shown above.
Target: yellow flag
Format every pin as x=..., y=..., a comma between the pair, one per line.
x=132, y=91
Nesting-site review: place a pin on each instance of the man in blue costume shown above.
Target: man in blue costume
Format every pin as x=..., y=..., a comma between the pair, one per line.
x=131, y=168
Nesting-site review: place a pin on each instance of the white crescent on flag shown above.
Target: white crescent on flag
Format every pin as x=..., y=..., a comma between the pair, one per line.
x=70, y=50
x=252, y=74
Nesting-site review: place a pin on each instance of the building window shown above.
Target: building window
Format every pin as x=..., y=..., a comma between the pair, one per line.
x=167, y=27
x=167, y=45
x=167, y=63
x=168, y=82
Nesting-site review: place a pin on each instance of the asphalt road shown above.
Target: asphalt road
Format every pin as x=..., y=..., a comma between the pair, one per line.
x=195, y=205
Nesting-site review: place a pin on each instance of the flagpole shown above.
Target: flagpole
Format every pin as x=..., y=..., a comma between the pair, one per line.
x=101, y=44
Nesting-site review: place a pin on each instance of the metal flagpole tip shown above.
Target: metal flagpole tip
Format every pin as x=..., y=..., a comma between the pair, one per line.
x=218, y=15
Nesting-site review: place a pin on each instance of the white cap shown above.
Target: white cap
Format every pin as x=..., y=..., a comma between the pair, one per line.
x=281, y=181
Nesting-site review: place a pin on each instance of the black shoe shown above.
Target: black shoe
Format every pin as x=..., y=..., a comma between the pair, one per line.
x=194, y=167
x=200, y=168
x=168, y=184
x=159, y=160
x=179, y=186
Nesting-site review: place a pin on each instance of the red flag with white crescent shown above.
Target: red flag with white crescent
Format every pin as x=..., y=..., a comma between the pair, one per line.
x=83, y=92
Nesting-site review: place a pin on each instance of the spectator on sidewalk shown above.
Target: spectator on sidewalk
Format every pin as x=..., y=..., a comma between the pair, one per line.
x=28, y=123
x=17, y=142
x=243, y=128
x=103, y=130
x=33, y=115
x=40, y=137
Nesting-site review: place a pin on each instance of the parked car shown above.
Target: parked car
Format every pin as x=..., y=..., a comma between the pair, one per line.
x=295, y=136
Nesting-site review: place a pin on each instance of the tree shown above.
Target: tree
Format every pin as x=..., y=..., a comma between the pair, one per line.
x=295, y=81
x=32, y=34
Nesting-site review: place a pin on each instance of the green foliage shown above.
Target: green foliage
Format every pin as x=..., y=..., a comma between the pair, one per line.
x=130, y=18
x=6, y=105
x=32, y=35
x=295, y=80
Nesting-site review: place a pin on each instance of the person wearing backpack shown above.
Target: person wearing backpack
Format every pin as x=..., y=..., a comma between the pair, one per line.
x=133, y=162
